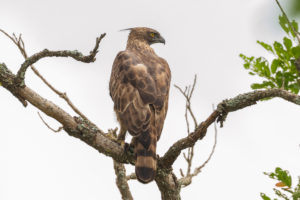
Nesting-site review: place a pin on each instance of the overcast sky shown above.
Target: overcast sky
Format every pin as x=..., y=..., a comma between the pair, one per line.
x=202, y=37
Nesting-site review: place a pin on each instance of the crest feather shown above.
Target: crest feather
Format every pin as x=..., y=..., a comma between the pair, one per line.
x=126, y=29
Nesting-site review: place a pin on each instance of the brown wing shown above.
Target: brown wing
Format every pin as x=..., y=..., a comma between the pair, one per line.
x=132, y=90
x=163, y=79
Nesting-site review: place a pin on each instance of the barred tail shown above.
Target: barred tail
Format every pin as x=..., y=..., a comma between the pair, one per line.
x=145, y=146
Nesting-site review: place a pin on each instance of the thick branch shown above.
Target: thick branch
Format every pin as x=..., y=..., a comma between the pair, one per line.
x=239, y=102
x=76, y=127
x=167, y=183
x=46, y=53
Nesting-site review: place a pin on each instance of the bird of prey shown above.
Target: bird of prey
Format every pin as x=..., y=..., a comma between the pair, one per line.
x=139, y=87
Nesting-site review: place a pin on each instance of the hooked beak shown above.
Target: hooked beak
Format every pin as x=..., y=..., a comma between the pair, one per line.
x=162, y=40
x=159, y=40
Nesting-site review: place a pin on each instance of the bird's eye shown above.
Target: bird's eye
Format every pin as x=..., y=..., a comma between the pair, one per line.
x=152, y=35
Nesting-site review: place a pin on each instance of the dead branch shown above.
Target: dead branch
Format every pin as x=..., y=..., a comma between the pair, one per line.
x=187, y=180
x=46, y=53
x=187, y=93
x=19, y=42
x=121, y=181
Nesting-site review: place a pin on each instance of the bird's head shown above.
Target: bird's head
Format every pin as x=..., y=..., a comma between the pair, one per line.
x=143, y=34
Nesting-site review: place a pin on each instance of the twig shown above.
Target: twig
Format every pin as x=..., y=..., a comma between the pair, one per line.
x=187, y=93
x=52, y=129
x=186, y=180
x=289, y=23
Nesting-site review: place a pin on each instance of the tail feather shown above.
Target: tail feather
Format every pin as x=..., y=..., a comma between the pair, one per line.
x=145, y=167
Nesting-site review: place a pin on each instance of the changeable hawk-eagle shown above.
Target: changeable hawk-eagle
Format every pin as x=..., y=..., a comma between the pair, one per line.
x=139, y=87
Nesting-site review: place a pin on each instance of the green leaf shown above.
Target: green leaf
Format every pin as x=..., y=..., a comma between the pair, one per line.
x=247, y=65
x=283, y=175
x=295, y=25
x=284, y=24
x=266, y=69
x=264, y=196
x=242, y=56
x=274, y=65
x=296, y=51
x=287, y=43
x=279, y=49
x=266, y=46
x=256, y=86
x=294, y=88
x=279, y=79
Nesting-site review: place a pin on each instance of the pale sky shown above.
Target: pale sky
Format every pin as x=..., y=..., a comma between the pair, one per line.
x=202, y=37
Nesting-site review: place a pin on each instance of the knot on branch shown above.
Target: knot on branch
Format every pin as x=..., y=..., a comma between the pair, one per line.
x=7, y=81
x=222, y=109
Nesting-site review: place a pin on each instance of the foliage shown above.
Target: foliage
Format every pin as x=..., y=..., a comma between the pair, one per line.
x=284, y=186
x=281, y=72
x=294, y=7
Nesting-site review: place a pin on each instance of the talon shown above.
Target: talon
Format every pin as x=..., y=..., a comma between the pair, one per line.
x=129, y=147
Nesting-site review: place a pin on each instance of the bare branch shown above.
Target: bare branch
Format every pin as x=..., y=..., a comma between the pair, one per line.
x=52, y=129
x=185, y=181
x=121, y=181
x=239, y=102
x=21, y=46
x=187, y=93
x=46, y=53
x=17, y=41
x=289, y=23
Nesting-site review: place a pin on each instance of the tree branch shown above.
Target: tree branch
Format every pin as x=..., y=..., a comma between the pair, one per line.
x=18, y=41
x=74, y=126
x=239, y=102
x=90, y=134
x=121, y=181
x=46, y=53
x=187, y=180
x=187, y=93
